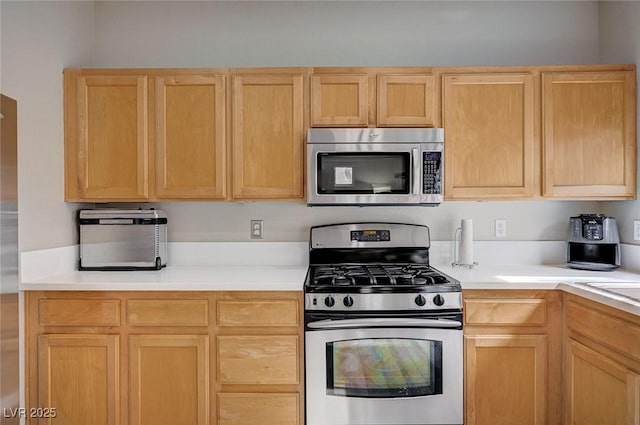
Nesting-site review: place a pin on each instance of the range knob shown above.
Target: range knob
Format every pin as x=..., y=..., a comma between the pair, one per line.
x=438, y=300
x=347, y=301
x=420, y=300
x=329, y=301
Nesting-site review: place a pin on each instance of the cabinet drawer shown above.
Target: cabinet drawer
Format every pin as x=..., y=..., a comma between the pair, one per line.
x=271, y=409
x=604, y=328
x=258, y=359
x=506, y=312
x=258, y=313
x=79, y=312
x=168, y=312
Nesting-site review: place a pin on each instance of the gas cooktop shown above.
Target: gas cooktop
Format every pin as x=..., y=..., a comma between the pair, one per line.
x=373, y=278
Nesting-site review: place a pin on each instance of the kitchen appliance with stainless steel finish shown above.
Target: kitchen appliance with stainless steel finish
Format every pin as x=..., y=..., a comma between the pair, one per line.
x=375, y=166
x=383, y=329
x=10, y=349
x=593, y=243
x=112, y=239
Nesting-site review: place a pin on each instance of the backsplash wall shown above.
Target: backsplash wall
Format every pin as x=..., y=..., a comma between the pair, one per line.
x=35, y=50
x=290, y=221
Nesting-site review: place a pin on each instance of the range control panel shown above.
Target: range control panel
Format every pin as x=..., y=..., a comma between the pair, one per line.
x=370, y=235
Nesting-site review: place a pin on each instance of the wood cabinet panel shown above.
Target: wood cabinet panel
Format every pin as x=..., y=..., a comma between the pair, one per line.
x=599, y=390
x=150, y=362
x=268, y=126
x=508, y=383
x=270, y=409
x=251, y=359
x=112, y=140
x=613, y=332
x=258, y=313
x=513, y=357
x=406, y=100
x=489, y=133
x=339, y=100
x=589, y=134
x=505, y=312
x=168, y=312
x=169, y=378
x=78, y=376
x=78, y=312
x=191, y=137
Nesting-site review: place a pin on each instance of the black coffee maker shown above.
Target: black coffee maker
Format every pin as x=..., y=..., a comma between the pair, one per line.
x=593, y=243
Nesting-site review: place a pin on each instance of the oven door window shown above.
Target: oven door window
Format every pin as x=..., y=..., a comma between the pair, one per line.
x=384, y=367
x=364, y=173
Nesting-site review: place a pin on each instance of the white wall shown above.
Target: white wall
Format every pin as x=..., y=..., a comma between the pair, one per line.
x=344, y=33
x=40, y=39
x=620, y=43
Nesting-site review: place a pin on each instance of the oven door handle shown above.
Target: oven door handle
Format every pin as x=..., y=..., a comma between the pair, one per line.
x=384, y=323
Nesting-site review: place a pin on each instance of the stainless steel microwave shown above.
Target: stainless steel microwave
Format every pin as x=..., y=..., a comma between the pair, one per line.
x=375, y=166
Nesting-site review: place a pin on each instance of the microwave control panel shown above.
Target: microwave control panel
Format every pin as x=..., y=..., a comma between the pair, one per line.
x=432, y=173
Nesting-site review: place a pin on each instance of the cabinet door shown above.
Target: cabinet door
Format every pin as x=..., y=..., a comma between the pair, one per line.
x=598, y=389
x=169, y=379
x=268, y=125
x=505, y=379
x=589, y=130
x=339, y=100
x=190, y=137
x=78, y=376
x=406, y=100
x=112, y=145
x=489, y=136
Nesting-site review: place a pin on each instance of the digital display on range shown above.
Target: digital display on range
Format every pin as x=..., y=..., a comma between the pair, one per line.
x=371, y=235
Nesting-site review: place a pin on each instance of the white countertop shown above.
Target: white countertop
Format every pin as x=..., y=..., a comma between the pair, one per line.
x=280, y=276
x=177, y=278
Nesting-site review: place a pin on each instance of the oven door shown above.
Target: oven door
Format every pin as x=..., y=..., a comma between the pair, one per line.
x=361, y=373
x=357, y=174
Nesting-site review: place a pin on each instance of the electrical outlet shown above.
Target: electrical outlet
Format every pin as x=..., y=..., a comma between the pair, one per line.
x=256, y=229
x=636, y=230
x=501, y=228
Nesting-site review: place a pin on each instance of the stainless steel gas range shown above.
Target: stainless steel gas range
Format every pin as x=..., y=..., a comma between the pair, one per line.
x=383, y=329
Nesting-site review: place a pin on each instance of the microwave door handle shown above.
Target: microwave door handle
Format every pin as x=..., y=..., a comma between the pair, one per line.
x=384, y=322
x=417, y=177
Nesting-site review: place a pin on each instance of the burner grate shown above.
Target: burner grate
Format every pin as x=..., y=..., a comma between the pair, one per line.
x=376, y=275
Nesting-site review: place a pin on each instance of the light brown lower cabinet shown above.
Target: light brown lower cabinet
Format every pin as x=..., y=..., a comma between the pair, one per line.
x=602, y=364
x=263, y=409
x=165, y=358
x=168, y=379
x=513, y=355
x=78, y=377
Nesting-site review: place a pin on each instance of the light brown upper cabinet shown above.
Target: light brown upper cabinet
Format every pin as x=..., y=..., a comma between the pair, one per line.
x=589, y=134
x=489, y=135
x=340, y=100
x=144, y=135
x=190, y=137
x=406, y=100
x=107, y=143
x=382, y=97
x=268, y=135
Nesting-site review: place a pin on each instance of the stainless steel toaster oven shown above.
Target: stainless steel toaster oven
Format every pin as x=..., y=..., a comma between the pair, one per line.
x=118, y=239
